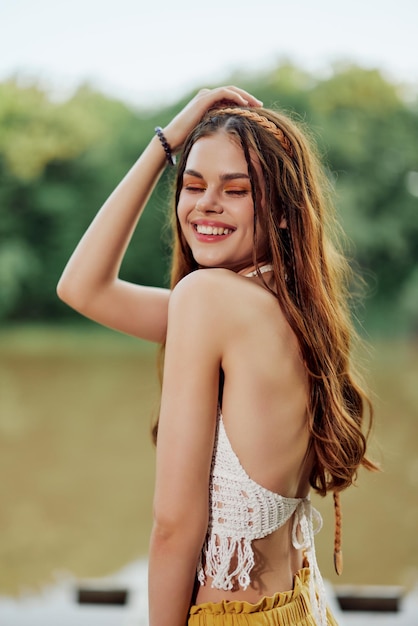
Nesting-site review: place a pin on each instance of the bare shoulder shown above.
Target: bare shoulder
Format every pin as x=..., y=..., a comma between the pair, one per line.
x=202, y=278
x=218, y=295
x=212, y=289
x=203, y=289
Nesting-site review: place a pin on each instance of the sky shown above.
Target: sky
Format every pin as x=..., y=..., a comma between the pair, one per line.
x=154, y=51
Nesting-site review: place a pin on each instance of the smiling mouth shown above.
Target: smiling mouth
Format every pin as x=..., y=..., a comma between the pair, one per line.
x=203, y=229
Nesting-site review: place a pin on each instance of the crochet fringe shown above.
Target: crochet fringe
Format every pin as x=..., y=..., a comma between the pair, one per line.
x=219, y=552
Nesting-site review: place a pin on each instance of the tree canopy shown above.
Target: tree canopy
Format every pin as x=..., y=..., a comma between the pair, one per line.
x=60, y=160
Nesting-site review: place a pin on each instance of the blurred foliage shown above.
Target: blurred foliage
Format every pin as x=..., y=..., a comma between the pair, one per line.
x=60, y=160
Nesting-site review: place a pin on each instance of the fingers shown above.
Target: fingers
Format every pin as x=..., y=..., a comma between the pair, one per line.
x=230, y=94
x=205, y=100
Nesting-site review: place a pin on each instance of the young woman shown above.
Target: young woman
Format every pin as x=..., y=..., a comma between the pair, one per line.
x=258, y=400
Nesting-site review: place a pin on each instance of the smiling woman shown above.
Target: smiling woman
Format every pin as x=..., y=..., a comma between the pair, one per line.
x=216, y=206
x=259, y=401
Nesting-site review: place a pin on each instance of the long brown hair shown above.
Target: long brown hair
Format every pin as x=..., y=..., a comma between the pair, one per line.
x=312, y=278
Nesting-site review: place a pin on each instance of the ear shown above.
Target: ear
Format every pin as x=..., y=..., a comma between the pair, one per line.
x=283, y=222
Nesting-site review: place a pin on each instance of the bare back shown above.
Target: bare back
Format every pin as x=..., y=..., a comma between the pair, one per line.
x=264, y=412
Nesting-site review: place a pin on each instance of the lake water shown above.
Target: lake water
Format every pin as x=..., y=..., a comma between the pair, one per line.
x=77, y=463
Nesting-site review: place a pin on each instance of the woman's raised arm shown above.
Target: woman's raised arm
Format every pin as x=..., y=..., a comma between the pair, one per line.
x=90, y=282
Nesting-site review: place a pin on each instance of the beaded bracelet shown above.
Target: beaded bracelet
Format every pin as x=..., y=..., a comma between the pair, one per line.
x=167, y=149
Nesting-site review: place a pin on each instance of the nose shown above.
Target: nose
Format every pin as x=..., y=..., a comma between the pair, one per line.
x=209, y=203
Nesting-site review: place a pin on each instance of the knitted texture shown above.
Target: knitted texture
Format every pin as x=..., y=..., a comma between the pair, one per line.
x=240, y=511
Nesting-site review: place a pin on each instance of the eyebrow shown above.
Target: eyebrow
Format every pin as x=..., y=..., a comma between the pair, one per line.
x=223, y=177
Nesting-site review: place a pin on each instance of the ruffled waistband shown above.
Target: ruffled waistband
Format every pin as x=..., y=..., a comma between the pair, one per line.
x=299, y=593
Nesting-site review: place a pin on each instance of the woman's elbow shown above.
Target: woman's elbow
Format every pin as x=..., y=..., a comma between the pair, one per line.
x=64, y=291
x=70, y=294
x=168, y=526
x=176, y=539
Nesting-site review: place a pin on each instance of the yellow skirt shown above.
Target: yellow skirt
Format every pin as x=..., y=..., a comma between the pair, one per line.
x=287, y=608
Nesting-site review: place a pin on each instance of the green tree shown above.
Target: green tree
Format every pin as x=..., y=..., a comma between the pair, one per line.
x=59, y=161
x=371, y=135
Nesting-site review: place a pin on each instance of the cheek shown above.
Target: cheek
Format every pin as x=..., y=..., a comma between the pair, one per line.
x=181, y=211
x=182, y=224
x=180, y=227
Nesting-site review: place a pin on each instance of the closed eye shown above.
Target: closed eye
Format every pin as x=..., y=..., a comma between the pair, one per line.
x=237, y=192
x=193, y=188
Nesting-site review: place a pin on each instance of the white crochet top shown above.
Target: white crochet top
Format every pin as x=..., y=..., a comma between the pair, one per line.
x=240, y=511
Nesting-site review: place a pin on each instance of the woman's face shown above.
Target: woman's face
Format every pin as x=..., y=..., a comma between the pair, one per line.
x=216, y=208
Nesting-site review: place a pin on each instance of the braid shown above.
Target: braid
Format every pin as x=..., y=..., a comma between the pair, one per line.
x=338, y=555
x=261, y=121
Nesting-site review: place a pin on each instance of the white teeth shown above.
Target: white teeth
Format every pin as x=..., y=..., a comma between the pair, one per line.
x=212, y=230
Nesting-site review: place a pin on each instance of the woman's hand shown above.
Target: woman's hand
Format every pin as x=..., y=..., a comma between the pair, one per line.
x=184, y=122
